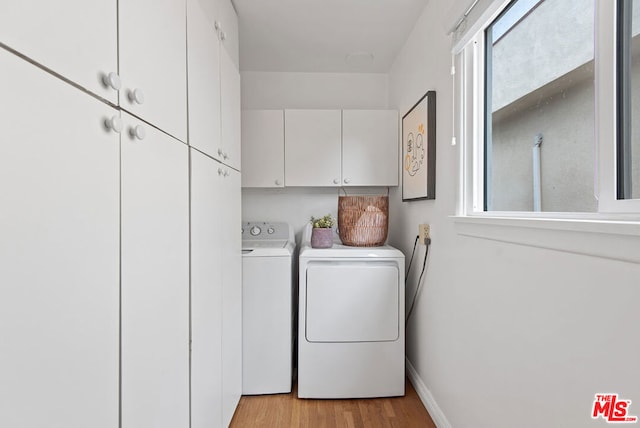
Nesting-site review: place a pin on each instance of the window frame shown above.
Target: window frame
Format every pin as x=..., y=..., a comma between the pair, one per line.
x=470, y=84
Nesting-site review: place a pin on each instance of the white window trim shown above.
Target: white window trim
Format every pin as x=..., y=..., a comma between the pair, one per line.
x=616, y=225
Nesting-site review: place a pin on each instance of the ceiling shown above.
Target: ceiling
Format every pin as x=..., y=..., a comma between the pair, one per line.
x=320, y=35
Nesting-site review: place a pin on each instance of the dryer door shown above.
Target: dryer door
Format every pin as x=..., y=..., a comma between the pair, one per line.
x=352, y=301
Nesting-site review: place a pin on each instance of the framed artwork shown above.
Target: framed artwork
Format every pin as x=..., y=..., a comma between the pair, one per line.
x=419, y=150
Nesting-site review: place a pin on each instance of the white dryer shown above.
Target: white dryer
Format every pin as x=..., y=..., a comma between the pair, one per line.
x=267, y=307
x=351, y=322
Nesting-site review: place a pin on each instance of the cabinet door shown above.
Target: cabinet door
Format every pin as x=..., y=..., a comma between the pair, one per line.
x=228, y=26
x=75, y=38
x=204, y=80
x=369, y=148
x=262, y=148
x=206, y=292
x=152, y=53
x=59, y=223
x=231, y=293
x=313, y=145
x=230, y=102
x=155, y=279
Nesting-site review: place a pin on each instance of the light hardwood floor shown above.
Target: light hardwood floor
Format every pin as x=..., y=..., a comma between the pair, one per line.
x=286, y=410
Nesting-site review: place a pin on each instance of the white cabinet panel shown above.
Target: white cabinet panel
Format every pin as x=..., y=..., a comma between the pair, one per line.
x=59, y=223
x=313, y=147
x=204, y=80
x=75, y=38
x=152, y=49
x=369, y=148
x=231, y=293
x=230, y=105
x=206, y=292
x=263, y=148
x=228, y=25
x=155, y=279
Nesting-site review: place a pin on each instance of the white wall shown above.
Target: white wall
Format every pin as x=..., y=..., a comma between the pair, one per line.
x=273, y=90
x=505, y=335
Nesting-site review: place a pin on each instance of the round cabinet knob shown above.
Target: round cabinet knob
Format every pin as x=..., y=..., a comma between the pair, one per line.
x=136, y=96
x=220, y=153
x=347, y=180
x=255, y=231
x=138, y=132
x=278, y=182
x=220, y=171
x=112, y=80
x=225, y=155
x=216, y=25
x=226, y=172
x=223, y=36
x=271, y=231
x=114, y=124
x=336, y=181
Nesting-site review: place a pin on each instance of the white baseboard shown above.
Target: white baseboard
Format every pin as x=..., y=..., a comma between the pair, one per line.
x=427, y=399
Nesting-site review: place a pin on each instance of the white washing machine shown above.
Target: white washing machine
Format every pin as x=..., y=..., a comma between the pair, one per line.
x=267, y=307
x=351, y=322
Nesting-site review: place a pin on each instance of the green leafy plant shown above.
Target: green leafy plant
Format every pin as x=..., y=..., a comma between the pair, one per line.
x=323, y=222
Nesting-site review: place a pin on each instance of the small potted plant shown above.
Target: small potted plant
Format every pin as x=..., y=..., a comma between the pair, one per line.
x=322, y=233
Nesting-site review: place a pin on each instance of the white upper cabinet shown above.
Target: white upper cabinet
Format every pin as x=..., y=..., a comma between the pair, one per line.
x=204, y=80
x=230, y=106
x=152, y=47
x=59, y=274
x=369, y=148
x=227, y=25
x=333, y=148
x=313, y=147
x=74, y=38
x=223, y=17
x=263, y=148
x=214, y=86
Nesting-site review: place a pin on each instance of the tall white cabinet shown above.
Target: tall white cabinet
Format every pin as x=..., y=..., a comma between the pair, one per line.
x=206, y=292
x=120, y=273
x=231, y=241
x=216, y=264
x=216, y=295
x=155, y=278
x=59, y=253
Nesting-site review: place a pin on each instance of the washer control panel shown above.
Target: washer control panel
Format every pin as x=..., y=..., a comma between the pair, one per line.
x=260, y=230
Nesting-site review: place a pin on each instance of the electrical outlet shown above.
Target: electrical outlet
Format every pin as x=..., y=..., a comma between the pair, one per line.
x=423, y=233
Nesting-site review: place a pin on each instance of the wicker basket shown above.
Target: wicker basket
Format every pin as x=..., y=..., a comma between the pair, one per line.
x=363, y=221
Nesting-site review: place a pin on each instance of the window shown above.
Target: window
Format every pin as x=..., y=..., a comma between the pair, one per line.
x=547, y=108
x=539, y=95
x=628, y=153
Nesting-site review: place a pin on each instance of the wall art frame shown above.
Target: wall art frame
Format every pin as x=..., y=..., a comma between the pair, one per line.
x=419, y=150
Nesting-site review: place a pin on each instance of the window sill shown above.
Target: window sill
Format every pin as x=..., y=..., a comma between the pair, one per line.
x=610, y=239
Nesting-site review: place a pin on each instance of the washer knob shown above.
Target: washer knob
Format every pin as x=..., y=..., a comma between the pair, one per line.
x=255, y=231
x=271, y=231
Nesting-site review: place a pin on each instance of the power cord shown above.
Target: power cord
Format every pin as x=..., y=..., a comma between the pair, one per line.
x=427, y=243
x=415, y=244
